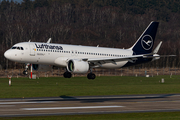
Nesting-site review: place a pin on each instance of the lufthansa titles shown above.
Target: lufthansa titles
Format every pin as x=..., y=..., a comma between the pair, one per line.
x=45, y=46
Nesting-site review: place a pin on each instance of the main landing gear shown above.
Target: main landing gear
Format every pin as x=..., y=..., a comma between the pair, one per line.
x=67, y=74
x=91, y=76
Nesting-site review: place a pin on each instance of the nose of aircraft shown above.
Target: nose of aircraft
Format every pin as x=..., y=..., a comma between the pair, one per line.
x=7, y=54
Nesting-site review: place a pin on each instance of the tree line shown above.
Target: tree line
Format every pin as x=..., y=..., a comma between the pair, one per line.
x=107, y=23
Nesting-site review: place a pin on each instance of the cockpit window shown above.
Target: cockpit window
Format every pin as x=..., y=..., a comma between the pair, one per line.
x=19, y=48
x=13, y=47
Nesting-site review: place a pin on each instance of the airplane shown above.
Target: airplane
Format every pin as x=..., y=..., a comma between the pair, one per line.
x=81, y=59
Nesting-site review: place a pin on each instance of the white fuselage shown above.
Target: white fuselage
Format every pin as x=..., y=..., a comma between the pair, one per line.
x=59, y=54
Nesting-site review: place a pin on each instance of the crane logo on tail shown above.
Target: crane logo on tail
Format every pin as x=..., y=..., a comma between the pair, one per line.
x=147, y=42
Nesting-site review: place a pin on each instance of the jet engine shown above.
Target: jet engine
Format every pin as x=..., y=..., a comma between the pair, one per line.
x=42, y=68
x=77, y=66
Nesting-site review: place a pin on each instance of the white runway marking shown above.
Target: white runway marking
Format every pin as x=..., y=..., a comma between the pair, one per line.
x=66, y=108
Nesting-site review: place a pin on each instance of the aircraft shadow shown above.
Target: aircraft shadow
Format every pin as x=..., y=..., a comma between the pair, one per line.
x=126, y=98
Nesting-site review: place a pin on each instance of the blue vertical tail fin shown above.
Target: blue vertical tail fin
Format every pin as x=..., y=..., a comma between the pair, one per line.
x=145, y=42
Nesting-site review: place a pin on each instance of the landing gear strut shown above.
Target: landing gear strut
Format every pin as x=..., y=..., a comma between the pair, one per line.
x=67, y=74
x=91, y=76
x=25, y=72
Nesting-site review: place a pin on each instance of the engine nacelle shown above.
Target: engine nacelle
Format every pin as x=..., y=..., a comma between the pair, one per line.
x=42, y=68
x=77, y=66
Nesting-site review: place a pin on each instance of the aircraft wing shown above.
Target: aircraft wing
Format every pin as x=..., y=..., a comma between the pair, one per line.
x=112, y=59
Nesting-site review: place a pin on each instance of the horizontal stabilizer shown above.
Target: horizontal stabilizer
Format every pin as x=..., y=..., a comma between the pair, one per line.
x=156, y=55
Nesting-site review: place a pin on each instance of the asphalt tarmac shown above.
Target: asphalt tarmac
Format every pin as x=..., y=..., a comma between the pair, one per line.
x=67, y=105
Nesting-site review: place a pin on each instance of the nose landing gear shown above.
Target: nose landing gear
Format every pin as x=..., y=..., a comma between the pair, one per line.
x=25, y=72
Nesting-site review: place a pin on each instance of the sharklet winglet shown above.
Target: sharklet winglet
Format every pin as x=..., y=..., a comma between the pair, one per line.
x=49, y=40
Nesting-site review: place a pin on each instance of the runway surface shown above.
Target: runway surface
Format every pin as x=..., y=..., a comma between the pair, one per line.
x=67, y=105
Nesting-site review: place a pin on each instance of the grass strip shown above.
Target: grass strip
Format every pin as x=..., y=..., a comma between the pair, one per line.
x=121, y=116
x=81, y=86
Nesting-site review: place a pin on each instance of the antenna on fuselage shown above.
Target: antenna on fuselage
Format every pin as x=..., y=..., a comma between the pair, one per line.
x=29, y=41
x=49, y=40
